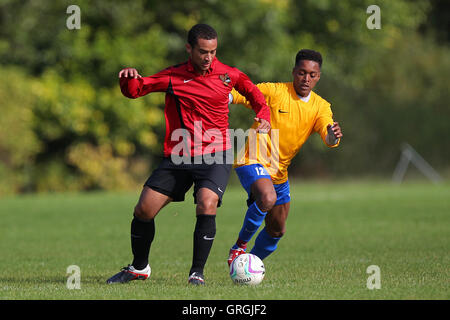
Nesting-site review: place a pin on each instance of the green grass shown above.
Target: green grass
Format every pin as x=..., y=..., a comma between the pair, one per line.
x=334, y=232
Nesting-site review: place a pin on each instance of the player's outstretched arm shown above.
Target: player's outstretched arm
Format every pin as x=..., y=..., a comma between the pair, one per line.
x=236, y=98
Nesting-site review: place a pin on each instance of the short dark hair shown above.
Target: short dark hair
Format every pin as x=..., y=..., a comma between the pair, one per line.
x=201, y=31
x=308, y=54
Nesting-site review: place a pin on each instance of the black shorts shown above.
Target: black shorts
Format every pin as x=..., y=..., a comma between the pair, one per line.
x=174, y=180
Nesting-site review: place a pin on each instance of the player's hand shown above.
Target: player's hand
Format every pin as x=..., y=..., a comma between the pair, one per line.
x=264, y=125
x=129, y=73
x=335, y=129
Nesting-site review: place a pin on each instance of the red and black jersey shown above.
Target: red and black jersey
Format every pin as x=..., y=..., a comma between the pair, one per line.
x=197, y=103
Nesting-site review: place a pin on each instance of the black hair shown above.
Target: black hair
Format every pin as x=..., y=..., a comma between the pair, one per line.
x=308, y=54
x=201, y=31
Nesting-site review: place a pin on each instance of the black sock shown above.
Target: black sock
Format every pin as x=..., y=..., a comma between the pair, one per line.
x=205, y=230
x=142, y=234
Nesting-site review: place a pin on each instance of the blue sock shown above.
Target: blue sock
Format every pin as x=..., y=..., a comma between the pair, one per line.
x=252, y=221
x=264, y=244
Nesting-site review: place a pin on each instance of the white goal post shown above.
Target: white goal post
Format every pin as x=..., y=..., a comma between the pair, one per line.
x=410, y=155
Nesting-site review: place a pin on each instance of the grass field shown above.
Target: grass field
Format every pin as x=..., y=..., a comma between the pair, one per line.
x=334, y=232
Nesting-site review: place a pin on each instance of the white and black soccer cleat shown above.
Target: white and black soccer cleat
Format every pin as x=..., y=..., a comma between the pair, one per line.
x=196, y=278
x=129, y=273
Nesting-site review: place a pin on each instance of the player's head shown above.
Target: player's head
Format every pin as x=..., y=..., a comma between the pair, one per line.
x=202, y=46
x=306, y=72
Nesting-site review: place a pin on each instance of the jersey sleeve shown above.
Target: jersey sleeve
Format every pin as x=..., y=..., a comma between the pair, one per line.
x=251, y=93
x=324, y=118
x=266, y=89
x=135, y=88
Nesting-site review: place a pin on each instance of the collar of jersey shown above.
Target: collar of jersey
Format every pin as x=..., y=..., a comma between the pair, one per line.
x=294, y=94
x=305, y=99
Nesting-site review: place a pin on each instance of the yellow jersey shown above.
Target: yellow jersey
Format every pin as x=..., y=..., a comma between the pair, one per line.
x=292, y=122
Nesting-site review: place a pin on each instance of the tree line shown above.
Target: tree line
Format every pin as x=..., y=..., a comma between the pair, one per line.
x=64, y=124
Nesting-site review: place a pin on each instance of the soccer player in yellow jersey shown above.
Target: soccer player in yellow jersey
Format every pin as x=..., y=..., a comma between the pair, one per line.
x=296, y=113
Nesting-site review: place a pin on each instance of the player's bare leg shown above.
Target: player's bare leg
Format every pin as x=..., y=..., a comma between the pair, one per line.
x=276, y=220
x=150, y=204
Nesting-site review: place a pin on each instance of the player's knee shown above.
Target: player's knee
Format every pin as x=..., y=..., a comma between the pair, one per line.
x=144, y=212
x=267, y=201
x=206, y=205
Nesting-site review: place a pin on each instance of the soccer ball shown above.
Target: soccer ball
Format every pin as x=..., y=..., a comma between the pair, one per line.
x=247, y=269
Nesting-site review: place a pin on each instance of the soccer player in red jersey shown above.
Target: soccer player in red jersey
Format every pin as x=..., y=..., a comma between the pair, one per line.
x=196, y=114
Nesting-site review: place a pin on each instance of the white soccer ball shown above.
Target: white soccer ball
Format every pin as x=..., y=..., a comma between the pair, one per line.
x=247, y=269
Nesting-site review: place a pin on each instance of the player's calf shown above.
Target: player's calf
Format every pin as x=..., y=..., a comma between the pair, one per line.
x=275, y=233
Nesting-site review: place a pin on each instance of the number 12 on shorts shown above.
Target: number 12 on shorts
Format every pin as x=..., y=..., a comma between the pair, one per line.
x=261, y=171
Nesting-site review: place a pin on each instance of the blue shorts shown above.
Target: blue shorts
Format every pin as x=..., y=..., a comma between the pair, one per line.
x=250, y=173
